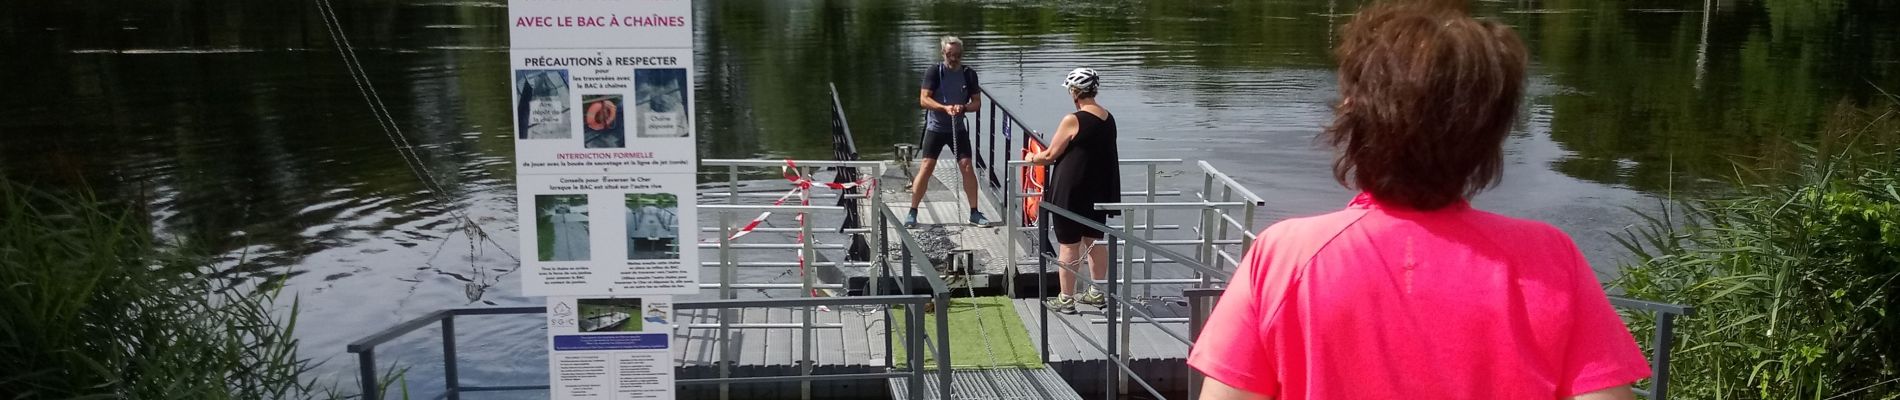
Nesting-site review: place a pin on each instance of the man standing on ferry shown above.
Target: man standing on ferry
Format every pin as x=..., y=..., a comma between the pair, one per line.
x=949, y=90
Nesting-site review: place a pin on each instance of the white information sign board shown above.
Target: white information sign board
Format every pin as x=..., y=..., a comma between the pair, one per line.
x=604, y=161
x=610, y=348
x=604, y=147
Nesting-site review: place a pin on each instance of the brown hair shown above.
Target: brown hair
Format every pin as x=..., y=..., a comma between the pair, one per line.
x=1428, y=95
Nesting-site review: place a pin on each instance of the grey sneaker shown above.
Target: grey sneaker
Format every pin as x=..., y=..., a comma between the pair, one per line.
x=976, y=218
x=1094, y=298
x=911, y=221
x=1062, y=303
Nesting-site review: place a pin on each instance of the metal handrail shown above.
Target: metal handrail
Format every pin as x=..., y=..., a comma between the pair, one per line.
x=721, y=162
x=1117, y=361
x=1660, y=353
x=365, y=348
x=914, y=344
x=1229, y=181
x=909, y=247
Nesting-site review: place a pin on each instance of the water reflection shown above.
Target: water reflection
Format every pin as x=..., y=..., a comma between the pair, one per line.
x=236, y=124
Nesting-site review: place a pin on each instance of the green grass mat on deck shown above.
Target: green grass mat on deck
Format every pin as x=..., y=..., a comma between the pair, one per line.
x=985, y=333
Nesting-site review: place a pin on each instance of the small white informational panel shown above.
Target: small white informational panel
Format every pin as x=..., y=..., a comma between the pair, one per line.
x=610, y=348
x=604, y=161
x=604, y=147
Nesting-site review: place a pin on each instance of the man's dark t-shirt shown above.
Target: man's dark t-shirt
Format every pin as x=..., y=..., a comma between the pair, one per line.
x=948, y=87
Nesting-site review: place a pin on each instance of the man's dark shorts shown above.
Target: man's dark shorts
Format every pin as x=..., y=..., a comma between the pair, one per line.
x=935, y=141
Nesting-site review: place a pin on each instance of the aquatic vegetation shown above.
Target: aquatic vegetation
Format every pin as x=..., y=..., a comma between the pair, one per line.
x=94, y=306
x=1796, y=277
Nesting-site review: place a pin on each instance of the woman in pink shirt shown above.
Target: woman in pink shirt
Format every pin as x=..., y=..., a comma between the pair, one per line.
x=1409, y=292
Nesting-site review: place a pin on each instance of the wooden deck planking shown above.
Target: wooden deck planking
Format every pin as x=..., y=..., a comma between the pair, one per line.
x=859, y=344
x=779, y=348
x=1146, y=341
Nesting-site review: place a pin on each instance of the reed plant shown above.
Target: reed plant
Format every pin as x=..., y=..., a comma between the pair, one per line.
x=1795, y=275
x=93, y=306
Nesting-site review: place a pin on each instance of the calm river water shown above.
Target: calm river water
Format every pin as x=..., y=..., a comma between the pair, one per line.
x=236, y=124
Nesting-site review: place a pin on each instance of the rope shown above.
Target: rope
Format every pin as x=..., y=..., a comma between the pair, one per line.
x=393, y=131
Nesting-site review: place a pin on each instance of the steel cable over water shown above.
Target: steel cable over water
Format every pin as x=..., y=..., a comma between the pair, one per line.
x=392, y=130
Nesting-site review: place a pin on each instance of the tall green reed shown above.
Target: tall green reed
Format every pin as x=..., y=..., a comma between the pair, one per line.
x=92, y=306
x=1795, y=275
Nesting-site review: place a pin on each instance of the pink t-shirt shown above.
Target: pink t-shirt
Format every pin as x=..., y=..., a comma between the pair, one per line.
x=1378, y=302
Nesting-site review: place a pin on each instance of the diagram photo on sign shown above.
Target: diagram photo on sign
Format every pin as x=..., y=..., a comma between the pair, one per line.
x=652, y=226
x=610, y=315
x=605, y=125
x=541, y=104
x=561, y=227
x=662, y=103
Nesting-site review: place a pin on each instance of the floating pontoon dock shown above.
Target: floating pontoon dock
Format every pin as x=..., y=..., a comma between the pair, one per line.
x=946, y=310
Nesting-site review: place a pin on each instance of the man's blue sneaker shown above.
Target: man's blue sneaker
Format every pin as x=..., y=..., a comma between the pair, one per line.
x=976, y=218
x=911, y=221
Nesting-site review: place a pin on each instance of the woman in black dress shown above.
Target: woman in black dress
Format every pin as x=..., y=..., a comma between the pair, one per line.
x=1086, y=173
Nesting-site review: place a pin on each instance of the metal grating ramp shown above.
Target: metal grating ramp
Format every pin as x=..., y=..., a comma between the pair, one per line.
x=1005, y=384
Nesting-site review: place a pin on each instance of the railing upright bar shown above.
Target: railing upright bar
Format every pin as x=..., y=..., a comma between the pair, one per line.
x=1011, y=217
x=884, y=271
x=449, y=378
x=807, y=256
x=366, y=365
x=990, y=116
x=1148, y=267
x=1113, y=376
x=726, y=275
x=1042, y=263
x=943, y=346
x=1198, y=310
x=913, y=327
x=1122, y=288
x=1665, y=333
x=1207, y=190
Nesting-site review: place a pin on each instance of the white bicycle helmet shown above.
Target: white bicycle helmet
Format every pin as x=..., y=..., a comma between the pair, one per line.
x=1082, y=79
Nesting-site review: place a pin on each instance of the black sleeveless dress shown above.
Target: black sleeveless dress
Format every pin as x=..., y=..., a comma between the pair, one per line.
x=1086, y=174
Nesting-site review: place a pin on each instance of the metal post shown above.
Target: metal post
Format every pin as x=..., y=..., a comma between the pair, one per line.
x=1207, y=194
x=1126, y=288
x=1196, y=317
x=726, y=276
x=1659, y=369
x=449, y=379
x=1011, y=220
x=726, y=273
x=366, y=364
x=732, y=186
x=992, y=165
x=1042, y=258
x=1147, y=267
x=913, y=328
x=1112, y=308
x=883, y=271
x=1247, y=210
x=943, y=345
x=1207, y=254
x=1042, y=278
x=1226, y=195
x=904, y=248
x=809, y=255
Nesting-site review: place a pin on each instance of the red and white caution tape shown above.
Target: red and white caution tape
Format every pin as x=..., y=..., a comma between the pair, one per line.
x=801, y=185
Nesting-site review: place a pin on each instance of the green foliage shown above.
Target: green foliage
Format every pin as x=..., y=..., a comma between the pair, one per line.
x=93, y=307
x=1794, y=282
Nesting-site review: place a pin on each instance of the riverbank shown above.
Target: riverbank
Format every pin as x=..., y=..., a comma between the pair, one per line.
x=1795, y=280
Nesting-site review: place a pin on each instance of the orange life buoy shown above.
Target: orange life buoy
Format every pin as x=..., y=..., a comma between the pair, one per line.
x=1032, y=183
x=601, y=115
